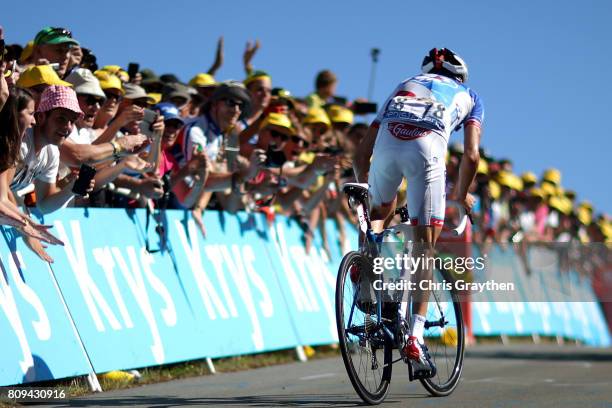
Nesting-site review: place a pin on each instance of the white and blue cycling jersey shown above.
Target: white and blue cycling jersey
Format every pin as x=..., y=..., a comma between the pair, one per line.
x=429, y=101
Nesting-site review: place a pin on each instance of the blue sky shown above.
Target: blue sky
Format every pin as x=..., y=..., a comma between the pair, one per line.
x=541, y=67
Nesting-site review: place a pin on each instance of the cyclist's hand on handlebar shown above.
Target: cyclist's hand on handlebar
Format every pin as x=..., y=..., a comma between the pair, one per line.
x=468, y=203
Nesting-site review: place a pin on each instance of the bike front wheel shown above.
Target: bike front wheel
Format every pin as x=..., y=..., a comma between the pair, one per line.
x=366, y=351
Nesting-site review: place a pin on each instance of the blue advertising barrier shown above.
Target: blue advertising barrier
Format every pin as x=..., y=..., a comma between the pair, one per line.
x=249, y=286
x=37, y=342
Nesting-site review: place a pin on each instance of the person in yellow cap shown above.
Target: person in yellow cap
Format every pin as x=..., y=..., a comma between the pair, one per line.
x=341, y=117
x=276, y=128
x=205, y=85
x=26, y=55
x=529, y=179
x=113, y=89
x=259, y=85
x=317, y=121
x=552, y=176
x=37, y=77
x=118, y=71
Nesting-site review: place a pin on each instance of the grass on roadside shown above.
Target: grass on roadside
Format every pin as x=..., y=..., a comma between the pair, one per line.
x=76, y=387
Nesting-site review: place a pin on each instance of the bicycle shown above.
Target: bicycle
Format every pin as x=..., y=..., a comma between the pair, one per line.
x=367, y=328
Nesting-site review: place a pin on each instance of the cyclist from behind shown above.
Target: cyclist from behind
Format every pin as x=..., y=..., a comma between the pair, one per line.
x=409, y=139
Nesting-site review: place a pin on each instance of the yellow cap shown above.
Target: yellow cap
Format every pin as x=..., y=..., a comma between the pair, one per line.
x=560, y=204
x=109, y=81
x=157, y=97
x=317, y=115
x=278, y=119
x=584, y=216
x=560, y=191
x=117, y=70
x=483, y=167
x=26, y=53
x=507, y=179
x=494, y=189
x=529, y=177
x=552, y=175
x=202, y=80
x=537, y=192
x=548, y=188
x=586, y=205
x=40, y=75
x=340, y=114
x=256, y=75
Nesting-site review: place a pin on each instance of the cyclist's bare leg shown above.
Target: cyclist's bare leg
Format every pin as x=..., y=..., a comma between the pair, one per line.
x=380, y=216
x=427, y=237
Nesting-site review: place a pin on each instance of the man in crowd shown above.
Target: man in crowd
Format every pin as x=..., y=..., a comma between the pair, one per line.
x=56, y=116
x=52, y=45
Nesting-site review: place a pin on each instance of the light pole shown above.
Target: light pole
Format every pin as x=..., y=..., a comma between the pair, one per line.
x=374, y=53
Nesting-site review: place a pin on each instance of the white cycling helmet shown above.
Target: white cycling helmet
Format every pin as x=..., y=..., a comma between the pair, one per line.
x=445, y=62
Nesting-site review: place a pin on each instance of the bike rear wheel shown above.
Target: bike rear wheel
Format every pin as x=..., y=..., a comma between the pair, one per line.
x=446, y=342
x=366, y=351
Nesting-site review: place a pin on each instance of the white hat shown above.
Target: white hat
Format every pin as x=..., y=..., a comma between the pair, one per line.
x=84, y=82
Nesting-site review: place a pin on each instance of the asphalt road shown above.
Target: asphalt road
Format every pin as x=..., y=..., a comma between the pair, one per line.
x=494, y=376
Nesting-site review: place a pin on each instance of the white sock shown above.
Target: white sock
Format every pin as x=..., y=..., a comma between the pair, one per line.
x=417, y=326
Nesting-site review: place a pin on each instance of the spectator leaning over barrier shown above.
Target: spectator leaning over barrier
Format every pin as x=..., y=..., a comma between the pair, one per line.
x=77, y=148
x=131, y=115
x=16, y=116
x=55, y=116
x=38, y=77
x=186, y=182
x=52, y=46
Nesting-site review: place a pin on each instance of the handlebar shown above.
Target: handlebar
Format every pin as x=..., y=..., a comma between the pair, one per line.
x=463, y=217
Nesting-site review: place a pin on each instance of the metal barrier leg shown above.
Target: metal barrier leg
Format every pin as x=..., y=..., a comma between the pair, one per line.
x=92, y=378
x=210, y=365
x=301, y=355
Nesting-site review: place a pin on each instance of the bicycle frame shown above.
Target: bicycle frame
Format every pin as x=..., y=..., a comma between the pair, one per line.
x=357, y=196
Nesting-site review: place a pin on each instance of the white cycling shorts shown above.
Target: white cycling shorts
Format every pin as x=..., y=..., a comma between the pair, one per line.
x=421, y=160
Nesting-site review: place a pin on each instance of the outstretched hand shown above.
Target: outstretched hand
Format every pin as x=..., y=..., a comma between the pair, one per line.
x=249, y=53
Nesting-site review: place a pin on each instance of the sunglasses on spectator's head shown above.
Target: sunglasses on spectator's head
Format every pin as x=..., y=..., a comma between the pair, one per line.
x=230, y=103
x=111, y=96
x=55, y=32
x=92, y=100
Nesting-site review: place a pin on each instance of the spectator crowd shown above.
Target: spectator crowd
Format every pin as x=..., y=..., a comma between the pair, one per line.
x=156, y=142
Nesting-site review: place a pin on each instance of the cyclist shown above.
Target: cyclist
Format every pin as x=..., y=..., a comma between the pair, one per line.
x=408, y=139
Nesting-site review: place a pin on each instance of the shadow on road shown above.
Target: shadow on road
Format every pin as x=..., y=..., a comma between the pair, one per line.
x=561, y=355
x=295, y=400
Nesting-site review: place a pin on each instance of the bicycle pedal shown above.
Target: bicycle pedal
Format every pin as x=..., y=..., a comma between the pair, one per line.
x=420, y=374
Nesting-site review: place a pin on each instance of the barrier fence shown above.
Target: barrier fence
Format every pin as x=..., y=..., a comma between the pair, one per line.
x=248, y=287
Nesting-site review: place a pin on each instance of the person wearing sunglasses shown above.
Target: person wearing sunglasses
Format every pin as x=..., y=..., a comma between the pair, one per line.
x=78, y=148
x=113, y=91
x=52, y=45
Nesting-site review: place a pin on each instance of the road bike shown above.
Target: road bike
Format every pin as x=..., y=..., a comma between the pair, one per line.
x=372, y=322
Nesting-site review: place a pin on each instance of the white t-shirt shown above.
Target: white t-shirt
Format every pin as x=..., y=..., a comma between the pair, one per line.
x=78, y=136
x=42, y=166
